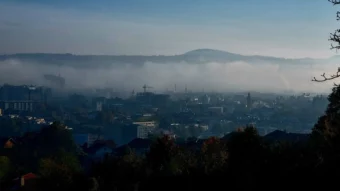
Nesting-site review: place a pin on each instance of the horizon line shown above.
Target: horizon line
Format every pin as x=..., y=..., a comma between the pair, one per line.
x=149, y=55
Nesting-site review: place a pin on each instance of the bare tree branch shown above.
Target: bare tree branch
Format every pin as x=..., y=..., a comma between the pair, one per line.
x=325, y=78
x=335, y=2
x=335, y=38
x=338, y=15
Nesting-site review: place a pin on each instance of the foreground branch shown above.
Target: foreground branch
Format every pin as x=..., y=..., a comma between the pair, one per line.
x=335, y=2
x=325, y=78
x=334, y=37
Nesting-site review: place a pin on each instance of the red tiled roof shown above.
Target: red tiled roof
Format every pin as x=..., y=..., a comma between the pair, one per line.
x=29, y=176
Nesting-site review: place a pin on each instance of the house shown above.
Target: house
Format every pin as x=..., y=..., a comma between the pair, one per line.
x=100, y=149
x=99, y=152
x=7, y=143
x=285, y=136
x=139, y=146
x=192, y=144
x=25, y=182
x=164, y=132
x=87, y=138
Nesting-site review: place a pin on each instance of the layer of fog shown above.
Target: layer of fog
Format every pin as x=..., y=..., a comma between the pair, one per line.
x=235, y=76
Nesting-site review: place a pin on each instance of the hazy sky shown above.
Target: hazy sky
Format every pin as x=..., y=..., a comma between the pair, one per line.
x=286, y=28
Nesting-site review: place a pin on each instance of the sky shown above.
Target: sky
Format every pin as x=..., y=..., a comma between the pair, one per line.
x=289, y=28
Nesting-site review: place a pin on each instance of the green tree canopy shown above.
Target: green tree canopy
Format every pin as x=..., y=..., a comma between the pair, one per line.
x=5, y=166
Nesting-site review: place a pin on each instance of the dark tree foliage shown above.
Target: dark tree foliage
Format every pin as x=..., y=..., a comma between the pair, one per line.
x=242, y=161
x=326, y=132
x=161, y=154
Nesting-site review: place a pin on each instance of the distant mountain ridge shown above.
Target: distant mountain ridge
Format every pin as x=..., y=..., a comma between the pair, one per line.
x=197, y=56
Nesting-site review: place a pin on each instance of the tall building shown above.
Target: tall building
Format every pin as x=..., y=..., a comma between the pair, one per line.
x=22, y=98
x=24, y=93
x=249, y=101
x=99, y=106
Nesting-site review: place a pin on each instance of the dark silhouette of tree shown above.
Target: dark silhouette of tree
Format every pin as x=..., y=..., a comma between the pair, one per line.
x=326, y=133
x=58, y=175
x=214, y=155
x=119, y=173
x=5, y=168
x=329, y=125
x=54, y=142
x=94, y=186
x=246, y=155
x=161, y=156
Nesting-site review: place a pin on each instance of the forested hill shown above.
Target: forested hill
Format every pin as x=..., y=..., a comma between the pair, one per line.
x=198, y=56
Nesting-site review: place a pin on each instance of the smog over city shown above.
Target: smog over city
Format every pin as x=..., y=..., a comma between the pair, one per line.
x=209, y=76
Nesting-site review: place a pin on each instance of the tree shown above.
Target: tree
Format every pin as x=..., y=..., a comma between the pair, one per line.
x=54, y=175
x=56, y=138
x=5, y=166
x=161, y=157
x=58, y=173
x=214, y=155
x=328, y=125
x=335, y=38
x=246, y=154
x=119, y=173
x=94, y=186
x=51, y=142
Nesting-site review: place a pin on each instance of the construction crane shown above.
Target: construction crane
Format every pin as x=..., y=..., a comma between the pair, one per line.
x=146, y=87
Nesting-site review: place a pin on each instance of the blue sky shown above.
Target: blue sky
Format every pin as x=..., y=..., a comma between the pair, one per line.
x=289, y=28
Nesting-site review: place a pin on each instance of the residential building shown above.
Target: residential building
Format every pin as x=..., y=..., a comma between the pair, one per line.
x=146, y=123
x=18, y=105
x=99, y=106
x=139, y=146
x=8, y=143
x=25, y=182
x=216, y=110
x=100, y=149
x=144, y=128
x=89, y=139
x=144, y=131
